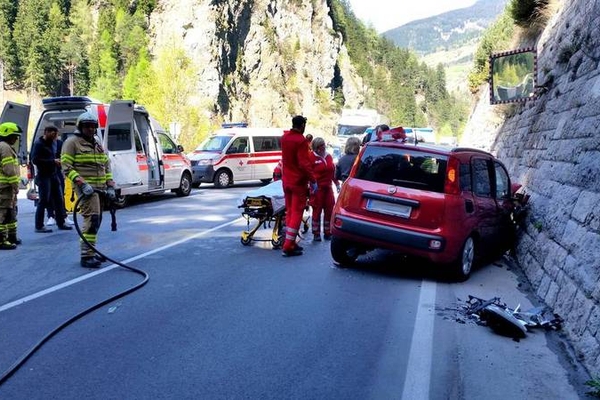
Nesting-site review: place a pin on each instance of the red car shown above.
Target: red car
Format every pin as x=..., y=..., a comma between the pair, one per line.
x=452, y=206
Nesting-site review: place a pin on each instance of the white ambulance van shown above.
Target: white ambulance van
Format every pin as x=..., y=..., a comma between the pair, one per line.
x=237, y=154
x=144, y=158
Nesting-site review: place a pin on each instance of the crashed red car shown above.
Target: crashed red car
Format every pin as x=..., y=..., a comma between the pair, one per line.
x=452, y=206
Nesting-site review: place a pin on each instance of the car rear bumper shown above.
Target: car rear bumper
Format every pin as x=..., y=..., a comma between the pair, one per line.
x=392, y=238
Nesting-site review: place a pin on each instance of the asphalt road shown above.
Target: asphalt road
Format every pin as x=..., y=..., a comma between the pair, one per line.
x=218, y=320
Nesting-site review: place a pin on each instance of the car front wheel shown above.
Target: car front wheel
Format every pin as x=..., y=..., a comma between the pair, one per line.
x=344, y=254
x=222, y=179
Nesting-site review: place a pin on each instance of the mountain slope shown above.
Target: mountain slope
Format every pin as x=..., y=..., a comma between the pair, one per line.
x=449, y=30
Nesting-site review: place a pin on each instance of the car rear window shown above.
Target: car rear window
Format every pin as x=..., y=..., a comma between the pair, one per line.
x=403, y=168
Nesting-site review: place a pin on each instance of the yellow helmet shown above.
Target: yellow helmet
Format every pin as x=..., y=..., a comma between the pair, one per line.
x=10, y=128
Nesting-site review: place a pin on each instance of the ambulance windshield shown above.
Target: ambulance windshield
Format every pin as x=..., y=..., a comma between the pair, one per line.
x=214, y=143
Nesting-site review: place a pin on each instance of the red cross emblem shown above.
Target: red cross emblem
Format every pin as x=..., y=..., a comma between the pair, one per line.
x=241, y=163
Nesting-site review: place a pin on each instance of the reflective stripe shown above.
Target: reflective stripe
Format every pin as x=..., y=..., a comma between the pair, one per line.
x=9, y=160
x=12, y=225
x=73, y=175
x=9, y=179
x=67, y=158
x=91, y=158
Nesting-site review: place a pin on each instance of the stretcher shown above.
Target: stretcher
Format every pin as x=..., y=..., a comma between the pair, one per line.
x=265, y=208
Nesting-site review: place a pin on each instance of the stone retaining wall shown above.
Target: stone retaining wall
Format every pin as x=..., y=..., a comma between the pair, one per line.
x=551, y=145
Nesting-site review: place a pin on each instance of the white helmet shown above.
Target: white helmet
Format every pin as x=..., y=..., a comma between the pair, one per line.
x=86, y=118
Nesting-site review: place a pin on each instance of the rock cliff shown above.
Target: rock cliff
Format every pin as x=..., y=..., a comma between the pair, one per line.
x=551, y=145
x=261, y=61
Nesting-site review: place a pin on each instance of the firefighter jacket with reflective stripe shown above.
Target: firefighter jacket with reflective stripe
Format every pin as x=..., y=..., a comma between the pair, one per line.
x=87, y=159
x=296, y=165
x=9, y=171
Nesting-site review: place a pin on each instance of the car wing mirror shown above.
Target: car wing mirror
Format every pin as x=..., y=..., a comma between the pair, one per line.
x=513, y=76
x=180, y=148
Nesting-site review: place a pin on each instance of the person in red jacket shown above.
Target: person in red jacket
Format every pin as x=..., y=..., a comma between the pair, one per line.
x=322, y=201
x=296, y=179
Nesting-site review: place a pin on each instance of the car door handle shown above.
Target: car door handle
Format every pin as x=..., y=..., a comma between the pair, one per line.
x=469, y=208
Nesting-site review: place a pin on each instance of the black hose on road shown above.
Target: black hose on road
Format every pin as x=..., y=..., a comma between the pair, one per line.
x=17, y=364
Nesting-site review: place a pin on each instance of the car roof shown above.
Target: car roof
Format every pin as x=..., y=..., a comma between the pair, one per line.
x=440, y=149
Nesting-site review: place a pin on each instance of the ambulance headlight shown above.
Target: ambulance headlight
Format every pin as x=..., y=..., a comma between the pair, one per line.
x=208, y=161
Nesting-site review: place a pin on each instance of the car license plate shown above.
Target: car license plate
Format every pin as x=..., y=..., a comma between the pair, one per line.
x=384, y=207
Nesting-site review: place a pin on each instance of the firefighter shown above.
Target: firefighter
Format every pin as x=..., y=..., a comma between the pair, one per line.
x=86, y=164
x=322, y=201
x=9, y=185
x=296, y=180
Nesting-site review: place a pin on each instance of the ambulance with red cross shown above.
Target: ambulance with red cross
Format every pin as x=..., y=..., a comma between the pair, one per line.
x=144, y=158
x=236, y=153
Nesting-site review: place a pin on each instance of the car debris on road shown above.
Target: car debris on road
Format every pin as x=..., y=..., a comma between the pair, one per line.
x=510, y=322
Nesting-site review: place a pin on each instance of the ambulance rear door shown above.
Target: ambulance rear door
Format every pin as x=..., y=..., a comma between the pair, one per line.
x=119, y=141
x=19, y=114
x=152, y=153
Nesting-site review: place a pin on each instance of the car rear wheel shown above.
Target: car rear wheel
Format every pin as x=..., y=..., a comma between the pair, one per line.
x=344, y=254
x=185, y=186
x=464, y=264
x=222, y=178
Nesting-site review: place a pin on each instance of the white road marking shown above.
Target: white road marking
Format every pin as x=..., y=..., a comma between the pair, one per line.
x=109, y=268
x=418, y=370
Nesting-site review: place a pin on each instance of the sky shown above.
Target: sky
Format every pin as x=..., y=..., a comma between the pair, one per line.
x=384, y=15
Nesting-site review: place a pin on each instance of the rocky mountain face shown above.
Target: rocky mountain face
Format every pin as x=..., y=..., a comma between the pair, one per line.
x=449, y=30
x=261, y=61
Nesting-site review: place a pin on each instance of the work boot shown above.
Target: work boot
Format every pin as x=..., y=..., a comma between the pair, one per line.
x=100, y=258
x=64, y=227
x=291, y=253
x=43, y=229
x=317, y=238
x=90, y=262
x=14, y=239
x=6, y=245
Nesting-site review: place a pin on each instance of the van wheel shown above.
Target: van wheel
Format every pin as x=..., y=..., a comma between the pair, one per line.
x=185, y=186
x=344, y=254
x=222, y=178
x=465, y=262
x=121, y=201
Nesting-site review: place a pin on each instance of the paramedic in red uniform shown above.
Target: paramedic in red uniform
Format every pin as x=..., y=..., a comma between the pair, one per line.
x=322, y=201
x=297, y=178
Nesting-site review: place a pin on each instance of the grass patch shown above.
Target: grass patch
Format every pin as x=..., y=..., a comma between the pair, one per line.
x=594, y=384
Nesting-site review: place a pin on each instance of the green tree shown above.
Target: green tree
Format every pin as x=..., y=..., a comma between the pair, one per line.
x=77, y=46
x=106, y=85
x=52, y=64
x=29, y=26
x=9, y=65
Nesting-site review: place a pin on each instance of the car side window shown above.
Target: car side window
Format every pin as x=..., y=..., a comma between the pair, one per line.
x=481, y=178
x=502, y=182
x=239, y=145
x=465, y=177
x=168, y=147
x=263, y=143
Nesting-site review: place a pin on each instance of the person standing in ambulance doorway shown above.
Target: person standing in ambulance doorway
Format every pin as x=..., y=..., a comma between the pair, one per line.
x=323, y=200
x=9, y=185
x=86, y=164
x=296, y=179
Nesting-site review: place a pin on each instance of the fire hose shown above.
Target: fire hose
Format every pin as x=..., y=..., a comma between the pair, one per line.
x=19, y=362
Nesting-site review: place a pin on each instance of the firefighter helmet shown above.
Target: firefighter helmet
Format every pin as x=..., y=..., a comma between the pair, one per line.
x=86, y=118
x=10, y=128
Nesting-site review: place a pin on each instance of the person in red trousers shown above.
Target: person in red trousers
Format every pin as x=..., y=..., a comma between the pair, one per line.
x=322, y=201
x=296, y=179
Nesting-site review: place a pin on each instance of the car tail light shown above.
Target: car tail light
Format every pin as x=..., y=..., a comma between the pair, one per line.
x=451, y=185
